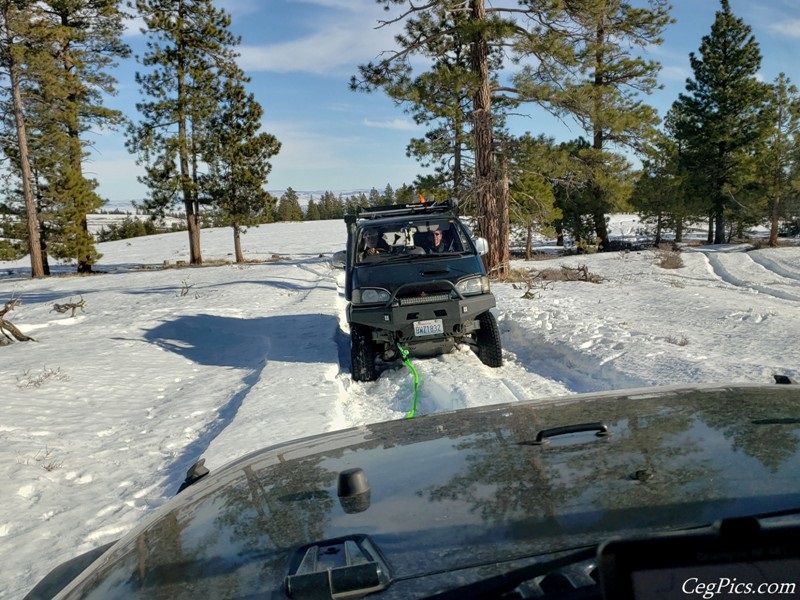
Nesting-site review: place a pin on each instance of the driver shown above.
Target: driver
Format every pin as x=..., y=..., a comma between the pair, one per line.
x=436, y=243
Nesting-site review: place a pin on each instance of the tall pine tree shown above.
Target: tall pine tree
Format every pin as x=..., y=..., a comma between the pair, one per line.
x=238, y=158
x=86, y=41
x=458, y=37
x=13, y=26
x=780, y=158
x=600, y=85
x=722, y=116
x=189, y=48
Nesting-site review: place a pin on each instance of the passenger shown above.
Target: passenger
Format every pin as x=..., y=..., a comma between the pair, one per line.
x=373, y=243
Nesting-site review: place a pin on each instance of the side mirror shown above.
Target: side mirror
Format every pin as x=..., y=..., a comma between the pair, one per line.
x=482, y=246
x=339, y=259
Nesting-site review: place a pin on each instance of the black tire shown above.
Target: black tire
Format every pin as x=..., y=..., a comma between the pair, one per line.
x=487, y=341
x=362, y=354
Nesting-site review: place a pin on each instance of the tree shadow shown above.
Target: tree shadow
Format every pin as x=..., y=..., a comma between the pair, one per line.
x=247, y=344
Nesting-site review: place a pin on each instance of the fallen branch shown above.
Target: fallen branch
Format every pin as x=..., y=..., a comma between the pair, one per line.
x=73, y=306
x=7, y=326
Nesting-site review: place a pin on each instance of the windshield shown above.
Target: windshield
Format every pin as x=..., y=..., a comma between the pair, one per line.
x=411, y=238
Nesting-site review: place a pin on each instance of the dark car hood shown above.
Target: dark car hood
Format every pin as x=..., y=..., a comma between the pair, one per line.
x=390, y=273
x=460, y=489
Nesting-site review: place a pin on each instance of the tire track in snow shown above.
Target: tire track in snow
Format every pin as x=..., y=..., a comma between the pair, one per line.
x=715, y=261
x=772, y=265
x=564, y=364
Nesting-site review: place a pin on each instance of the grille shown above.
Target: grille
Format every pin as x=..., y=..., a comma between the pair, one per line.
x=429, y=299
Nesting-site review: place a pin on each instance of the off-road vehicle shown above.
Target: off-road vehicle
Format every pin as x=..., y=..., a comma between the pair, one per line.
x=415, y=281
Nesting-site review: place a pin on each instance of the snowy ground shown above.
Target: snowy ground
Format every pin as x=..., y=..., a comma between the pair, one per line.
x=106, y=410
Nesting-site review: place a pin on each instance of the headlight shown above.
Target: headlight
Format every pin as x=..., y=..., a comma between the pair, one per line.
x=473, y=286
x=370, y=296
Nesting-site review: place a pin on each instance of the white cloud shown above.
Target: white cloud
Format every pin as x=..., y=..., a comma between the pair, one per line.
x=790, y=28
x=342, y=40
x=401, y=124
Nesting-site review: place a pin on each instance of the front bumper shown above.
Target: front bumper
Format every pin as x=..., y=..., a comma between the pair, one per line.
x=395, y=322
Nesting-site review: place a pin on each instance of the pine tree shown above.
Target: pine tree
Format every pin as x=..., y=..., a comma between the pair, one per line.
x=532, y=179
x=289, y=207
x=190, y=46
x=388, y=195
x=238, y=158
x=374, y=197
x=722, y=116
x=85, y=43
x=780, y=158
x=659, y=194
x=312, y=211
x=13, y=21
x=62, y=79
x=437, y=30
x=330, y=206
x=600, y=83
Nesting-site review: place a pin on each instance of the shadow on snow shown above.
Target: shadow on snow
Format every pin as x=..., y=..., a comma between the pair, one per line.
x=247, y=344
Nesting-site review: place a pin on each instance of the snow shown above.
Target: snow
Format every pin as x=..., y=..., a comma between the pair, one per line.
x=106, y=410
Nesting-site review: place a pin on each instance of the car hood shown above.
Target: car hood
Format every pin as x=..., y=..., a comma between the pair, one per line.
x=468, y=488
x=419, y=269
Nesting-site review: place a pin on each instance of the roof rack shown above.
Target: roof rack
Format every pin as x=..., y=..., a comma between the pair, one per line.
x=376, y=212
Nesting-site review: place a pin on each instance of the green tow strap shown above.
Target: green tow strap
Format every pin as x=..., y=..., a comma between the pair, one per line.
x=407, y=362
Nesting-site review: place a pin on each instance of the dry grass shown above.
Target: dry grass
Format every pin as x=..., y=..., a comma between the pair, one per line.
x=668, y=258
x=534, y=281
x=564, y=273
x=43, y=458
x=677, y=340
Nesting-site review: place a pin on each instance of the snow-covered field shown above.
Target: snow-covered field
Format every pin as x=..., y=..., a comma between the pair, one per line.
x=105, y=411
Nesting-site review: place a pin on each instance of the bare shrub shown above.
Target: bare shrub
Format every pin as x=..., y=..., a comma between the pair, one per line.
x=43, y=458
x=678, y=341
x=566, y=273
x=185, y=287
x=30, y=380
x=669, y=259
x=534, y=281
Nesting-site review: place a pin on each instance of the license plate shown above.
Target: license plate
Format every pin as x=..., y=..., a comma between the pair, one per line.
x=431, y=327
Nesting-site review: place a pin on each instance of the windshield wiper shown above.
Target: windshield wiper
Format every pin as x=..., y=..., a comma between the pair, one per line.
x=496, y=586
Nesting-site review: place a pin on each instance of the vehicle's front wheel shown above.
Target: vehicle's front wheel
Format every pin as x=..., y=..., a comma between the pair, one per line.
x=487, y=341
x=362, y=354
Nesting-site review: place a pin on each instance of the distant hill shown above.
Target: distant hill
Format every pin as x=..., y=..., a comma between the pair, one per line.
x=303, y=197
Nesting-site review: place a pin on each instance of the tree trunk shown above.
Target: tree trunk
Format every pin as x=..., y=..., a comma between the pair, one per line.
x=774, y=217
x=237, y=243
x=601, y=228
x=719, y=234
x=598, y=199
x=504, y=218
x=189, y=201
x=32, y=218
x=529, y=243
x=488, y=216
x=710, y=237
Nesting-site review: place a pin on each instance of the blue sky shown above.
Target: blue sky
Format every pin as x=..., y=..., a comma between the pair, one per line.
x=300, y=55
